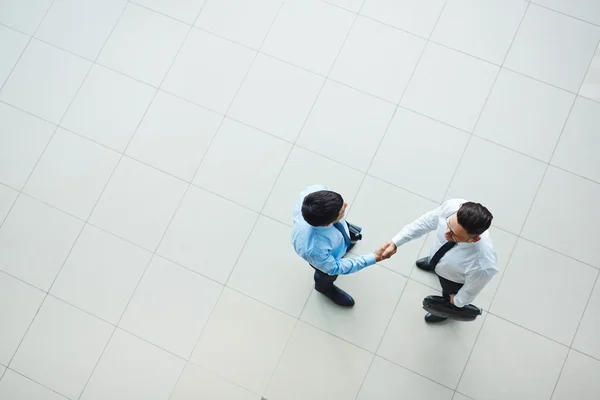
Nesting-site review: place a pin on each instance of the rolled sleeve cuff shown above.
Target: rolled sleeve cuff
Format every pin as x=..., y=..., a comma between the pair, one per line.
x=370, y=258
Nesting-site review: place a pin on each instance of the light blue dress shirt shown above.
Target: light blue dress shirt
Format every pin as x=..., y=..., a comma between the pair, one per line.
x=324, y=246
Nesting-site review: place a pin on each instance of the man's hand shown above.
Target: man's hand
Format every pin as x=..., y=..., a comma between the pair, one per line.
x=379, y=253
x=452, y=299
x=389, y=251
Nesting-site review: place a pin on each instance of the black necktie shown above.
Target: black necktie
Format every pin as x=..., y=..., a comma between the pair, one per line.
x=440, y=253
x=340, y=228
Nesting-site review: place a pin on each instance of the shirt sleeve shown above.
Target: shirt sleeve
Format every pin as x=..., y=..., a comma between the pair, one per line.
x=325, y=262
x=476, y=279
x=425, y=223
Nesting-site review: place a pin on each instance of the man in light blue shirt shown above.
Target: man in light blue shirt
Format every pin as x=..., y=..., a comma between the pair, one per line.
x=321, y=236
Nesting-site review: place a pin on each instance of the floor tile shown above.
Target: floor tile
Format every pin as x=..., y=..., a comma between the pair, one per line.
x=586, y=339
x=510, y=362
x=138, y=203
x=458, y=396
x=23, y=15
x=143, y=44
x=309, y=33
x=338, y=121
x=562, y=191
x=33, y=225
x=101, y=274
x=484, y=29
x=582, y=9
x=242, y=164
x=174, y=135
x=525, y=115
x=276, y=97
x=23, y=138
x=92, y=20
x=578, y=379
x=170, y=307
x=108, y=108
x=545, y=39
x=135, y=367
x=7, y=199
x=183, y=10
x=386, y=380
x=238, y=20
x=376, y=291
x=72, y=173
x=45, y=81
x=18, y=308
x=412, y=140
x=590, y=87
x=531, y=271
x=12, y=44
x=209, y=70
x=207, y=234
x=503, y=243
x=62, y=347
x=578, y=146
x=350, y=5
x=370, y=60
x=500, y=179
x=302, y=169
x=376, y=211
x=282, y=279
x=16, y=386
x=450, y=86
x=198, y=383
x=250, y=359
x=297, y=378
x=413, y=16
x=438, y=352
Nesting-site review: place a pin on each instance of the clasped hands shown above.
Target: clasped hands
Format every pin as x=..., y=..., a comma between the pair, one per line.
x=385, y=251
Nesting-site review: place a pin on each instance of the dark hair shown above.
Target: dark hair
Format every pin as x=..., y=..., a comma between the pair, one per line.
x=474, y=218
x=322, y=208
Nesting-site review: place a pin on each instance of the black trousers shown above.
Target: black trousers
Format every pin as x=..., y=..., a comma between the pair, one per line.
x=449, y=287
x=323, y=281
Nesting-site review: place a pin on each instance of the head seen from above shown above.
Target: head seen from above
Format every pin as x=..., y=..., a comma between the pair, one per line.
x=323, y=208
x=468, y=223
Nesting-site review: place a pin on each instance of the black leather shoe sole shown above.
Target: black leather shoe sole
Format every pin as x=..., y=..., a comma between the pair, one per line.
x=430, y=318
x=338, y=296
x=423, y=264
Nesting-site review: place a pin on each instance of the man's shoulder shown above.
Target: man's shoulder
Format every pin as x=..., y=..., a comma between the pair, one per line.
x=486, y=254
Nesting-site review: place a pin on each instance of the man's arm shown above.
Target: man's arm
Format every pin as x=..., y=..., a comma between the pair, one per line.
x=475, y=281
x=325, y=262
x=425, y=223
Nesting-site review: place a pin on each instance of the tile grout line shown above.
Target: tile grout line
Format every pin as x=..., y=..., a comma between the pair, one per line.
x=454, y=175
x=562, y=368
x=132, y=136
x=554, y=151
x=34, y=381
x=165, y=231
x=31, y=36
x=283, y=352
x=31, y=173
x=365, y=176
x=563, y=13
x=584, y=310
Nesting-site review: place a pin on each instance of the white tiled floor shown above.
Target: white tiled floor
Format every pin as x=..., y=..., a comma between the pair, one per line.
x=151, y=152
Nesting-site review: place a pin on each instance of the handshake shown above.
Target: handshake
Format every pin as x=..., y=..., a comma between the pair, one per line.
x=385, y=251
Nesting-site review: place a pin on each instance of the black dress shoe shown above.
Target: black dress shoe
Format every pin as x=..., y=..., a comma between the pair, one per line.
x=430, y=318
x=338, y=296
x=423, y=264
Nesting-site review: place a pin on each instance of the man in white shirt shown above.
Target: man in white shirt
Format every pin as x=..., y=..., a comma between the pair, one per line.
x=462, y=255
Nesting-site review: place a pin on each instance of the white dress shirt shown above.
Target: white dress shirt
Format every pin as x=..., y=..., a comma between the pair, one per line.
x=473, y=264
